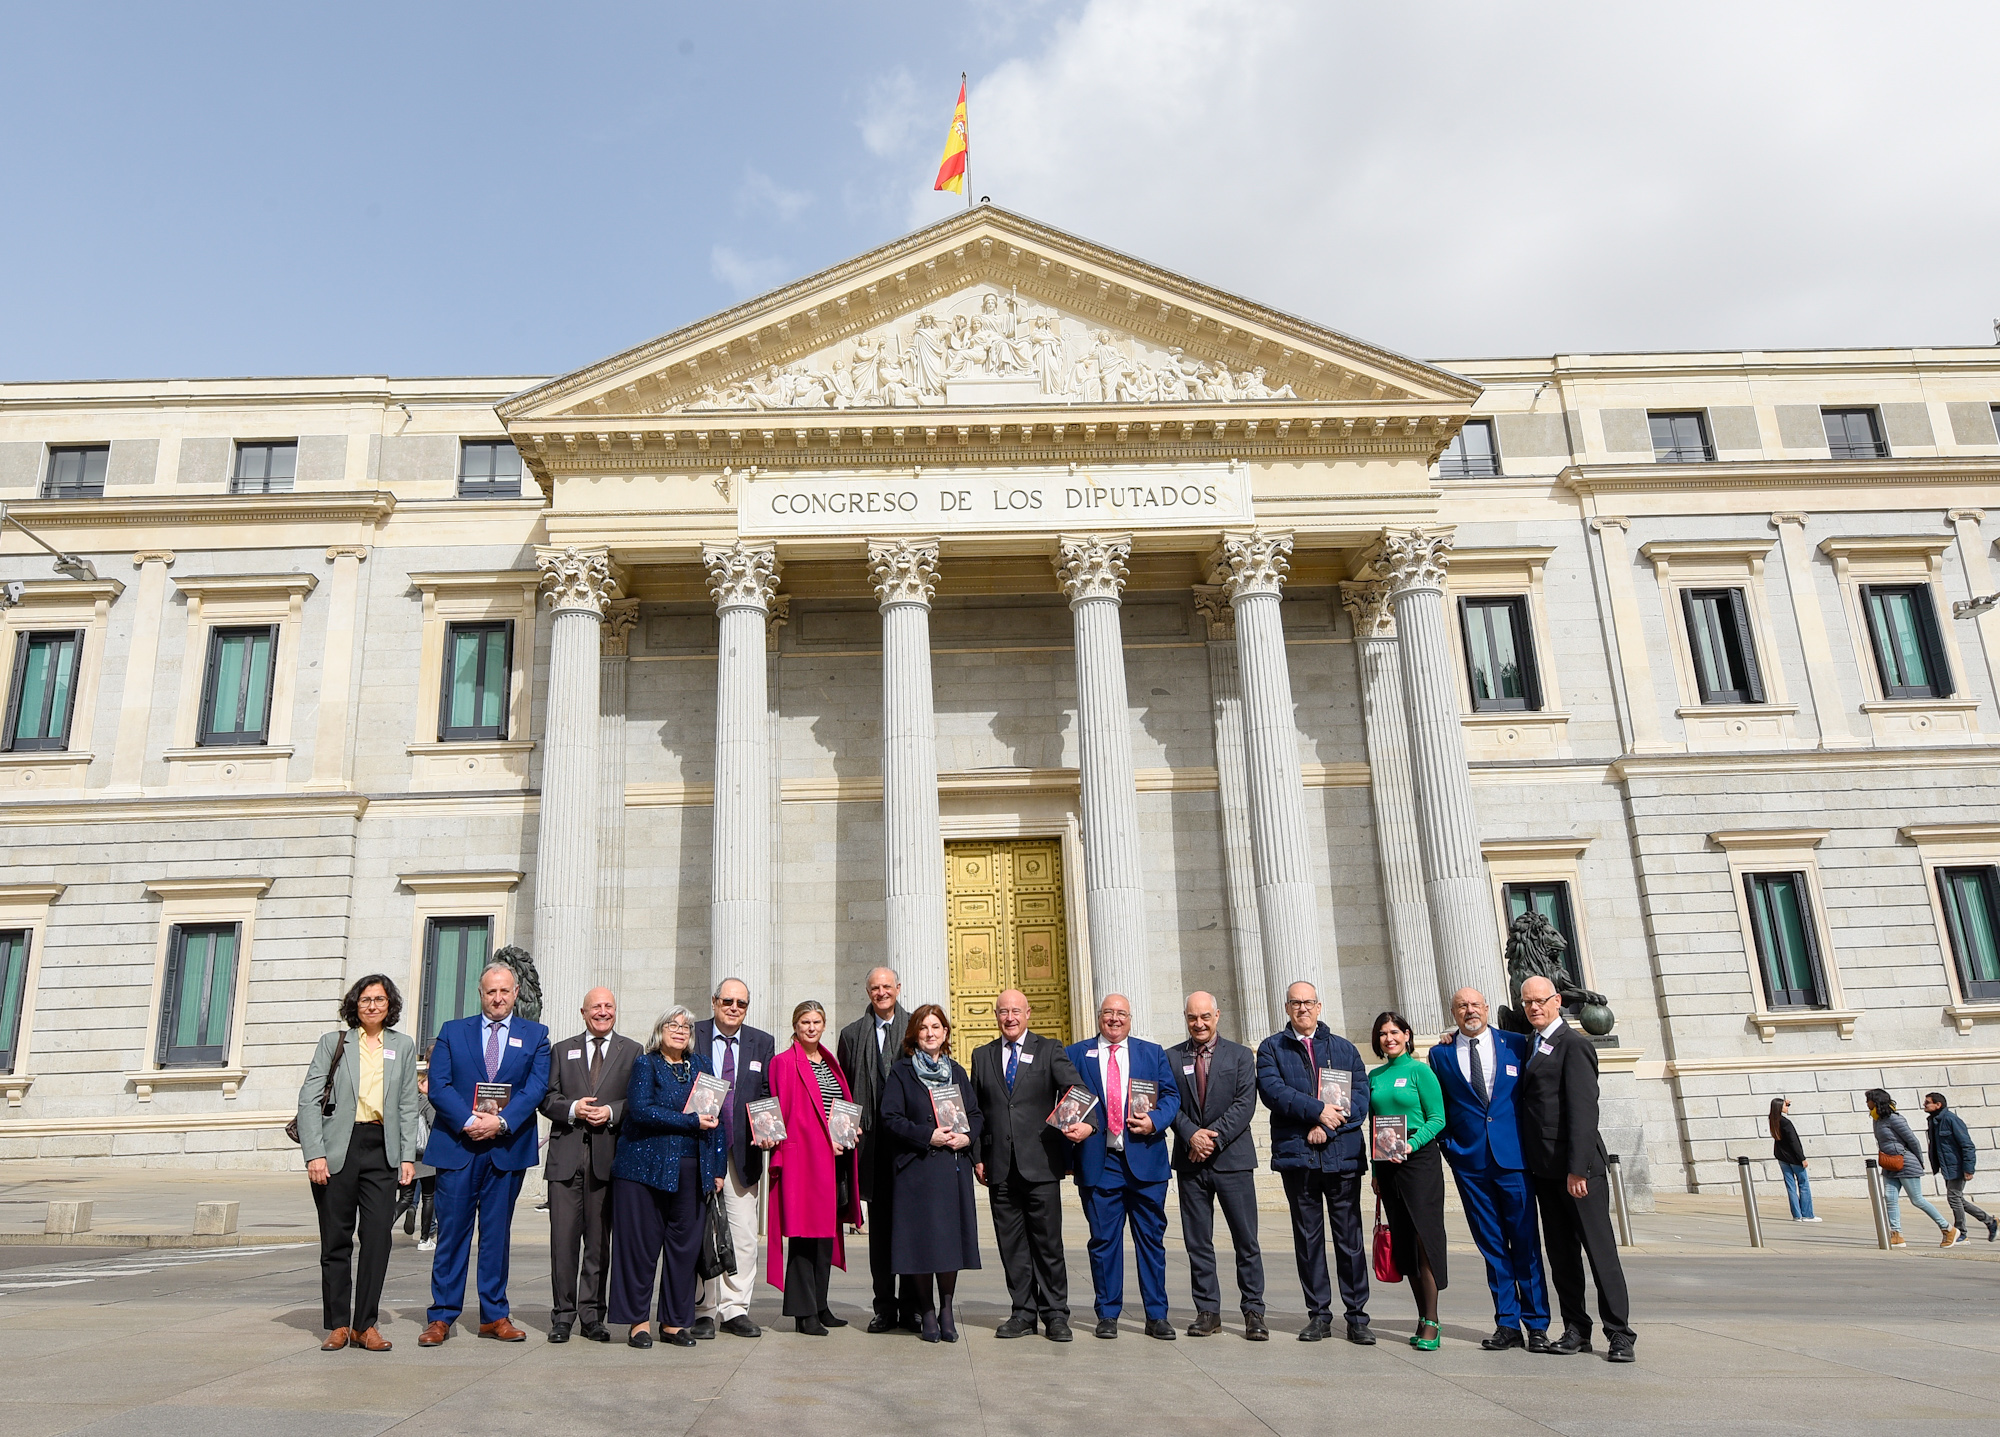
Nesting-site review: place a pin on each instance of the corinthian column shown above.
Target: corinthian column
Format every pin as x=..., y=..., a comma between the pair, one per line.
x=608, y=939
x=1239, y=870
x=1252, y=569
x=905, y=576
x=1091, y=570
x=1463, y=939
x=1389, y=788
x=577, y=584
x=744, y=579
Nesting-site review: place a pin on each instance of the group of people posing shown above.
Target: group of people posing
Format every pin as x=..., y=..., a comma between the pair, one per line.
x=887, y=1134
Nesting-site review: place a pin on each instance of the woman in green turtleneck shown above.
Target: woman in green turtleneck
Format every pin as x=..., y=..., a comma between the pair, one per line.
x=1411, y=1183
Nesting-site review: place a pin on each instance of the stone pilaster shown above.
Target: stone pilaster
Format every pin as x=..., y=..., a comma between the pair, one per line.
x=775, y=620
x=1379, y=658
x=135, y=703
x=336, y=674
x=743, y=577
x=904, y=573
x=1253, y=1020
x=1091, y=570
x=608, y=936
x=1463, y=938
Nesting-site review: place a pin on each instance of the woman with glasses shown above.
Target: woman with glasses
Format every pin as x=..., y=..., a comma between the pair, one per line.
x=668, y=1161
x=937, y=1218
x=358, y=1134
x=1409, y=1177
x=814, y=1185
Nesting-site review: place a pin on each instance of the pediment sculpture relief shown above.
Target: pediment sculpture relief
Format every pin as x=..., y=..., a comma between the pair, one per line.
x=989, y=347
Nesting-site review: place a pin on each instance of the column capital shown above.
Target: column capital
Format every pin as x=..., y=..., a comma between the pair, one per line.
x=904, y=571
x=619, y=617
x=1619, y=522
x=1781, y=519
x=357, y=552
x=1974, y=517
x=741, y=575
x=153, y=556
x=1211, y=602
x=778, y=615
x=1367, y=604
x=1414, y=559
x=576, y=580
x=1092, y=566
x=1252, y=562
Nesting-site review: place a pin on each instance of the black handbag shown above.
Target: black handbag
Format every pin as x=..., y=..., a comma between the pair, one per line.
x=326, y=1103
x=718, y=1246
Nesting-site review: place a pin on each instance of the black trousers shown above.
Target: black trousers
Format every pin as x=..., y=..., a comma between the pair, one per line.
x=1319, y=1200
x=895, y=1298
x=808, y=1271
x=579, y=1244
x=362, y=1194
x=652, y=1227
x=1027, y=1224
x=1200, y=1190
x=1575, y=1229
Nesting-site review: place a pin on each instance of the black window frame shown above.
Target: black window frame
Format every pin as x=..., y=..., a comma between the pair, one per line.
x=1564, y=919
x=491, y=484
x=24, y=642
x=1974, y=990
x=447, y=733
x=1930, y=639
x=82, y=488
x=1787, y=998
x=1732, y=640
x=205, y=735
x=265, y=483
x=16, y=949
x=1872, y=446
x=1677, y=450
x=1466, y=465
x=1522, y=631
x=168, y=1054
x=434, y=925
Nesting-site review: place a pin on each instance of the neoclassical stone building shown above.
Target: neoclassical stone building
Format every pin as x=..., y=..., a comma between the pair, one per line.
x=1014, y=612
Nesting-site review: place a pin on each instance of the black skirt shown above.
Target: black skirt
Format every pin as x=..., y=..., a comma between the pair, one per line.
x=1413, y=1202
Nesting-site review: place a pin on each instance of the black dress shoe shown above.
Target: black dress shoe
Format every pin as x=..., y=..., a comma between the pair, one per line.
x=1538, y=1341
x=640, y=1338
x=683, y=1338
x=1108, y=1327
x=1570, y=1343
x=559, y=1332
x=1254, y=1329
x=1621, y=1349
x=1161, y=1328
x=1502, y=1339
x=912, y=1322
x=879, y=1323
x=703, y=1329
x=809, y=1326
x=1205, y=1324
x=1359, y=1335
x=827, y=1319
x=1056, y=1329
x=595, y=1332
x=1317, y=1330
x=1016, y=1326
x=737, y=1326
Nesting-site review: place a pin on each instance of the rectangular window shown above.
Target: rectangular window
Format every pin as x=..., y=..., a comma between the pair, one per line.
x=489, y=470
x=1972, y=912
x=1471, y=454
x=13, y=993
x=42, y=694
x=1680, y=438
x=265, y=468
x=478, y=667
x=77, y=473
x=1499, y=654
x=1853, y=434
x=455, y=952
x=1725, y=657
x=236, y=690
x=1551, y=900
x=1909, y=653
x=1787, y=952
x=201, y=991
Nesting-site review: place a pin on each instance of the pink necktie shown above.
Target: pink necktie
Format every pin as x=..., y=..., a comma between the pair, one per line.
x=1114, y=1097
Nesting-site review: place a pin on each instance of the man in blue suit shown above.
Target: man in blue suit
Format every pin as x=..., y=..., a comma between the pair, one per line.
x=1479, y=1069
x=1121, y=1169
x=481, y=1157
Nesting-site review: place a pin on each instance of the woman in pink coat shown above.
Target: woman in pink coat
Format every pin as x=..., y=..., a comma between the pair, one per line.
x=814, y=1187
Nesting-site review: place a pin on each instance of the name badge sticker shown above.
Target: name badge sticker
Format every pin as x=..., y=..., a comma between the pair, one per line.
x=1402, y=1082
x=388, y=1055
x=513, y=1042
x=575, y=1053
x=756, y=1065
x=1512, y=1071
x=1544, y=1048
x=1090, y=1053
x=1027, y=1057
x=1188, y=1069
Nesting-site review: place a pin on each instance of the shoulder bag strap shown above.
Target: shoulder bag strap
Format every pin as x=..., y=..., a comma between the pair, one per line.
x=326, y=1103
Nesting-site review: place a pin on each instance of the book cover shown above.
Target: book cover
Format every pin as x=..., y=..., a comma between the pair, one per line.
x=705, y=1097
x=843, y=1124
x=491, y=1097
x=767, y=1120
x=1392, y=1138
x=949, y=1105
x=1140, y=1096
x=1076, y=1104
x=1336, y=1086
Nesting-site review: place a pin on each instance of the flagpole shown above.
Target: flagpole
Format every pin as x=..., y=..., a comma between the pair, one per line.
x=968, y=144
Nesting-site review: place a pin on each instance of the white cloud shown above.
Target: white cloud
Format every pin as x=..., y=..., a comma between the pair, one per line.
x=759, y=193
x=745, y=275
x=891, y=113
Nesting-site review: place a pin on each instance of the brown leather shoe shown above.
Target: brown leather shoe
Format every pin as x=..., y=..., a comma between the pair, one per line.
x=336, y=1339
x=502, y=1331
x=434, y=1335
x=372, y=1340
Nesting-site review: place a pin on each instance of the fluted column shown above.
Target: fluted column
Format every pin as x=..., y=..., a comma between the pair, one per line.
x=779, y=615
x=1255, y=1007
x=1463, y=939
x=608, y=937
x=904, y=573
x=1252, y=568
x=743, y=577
x=1091, y=570
x=577, y=584
x=1397, y=850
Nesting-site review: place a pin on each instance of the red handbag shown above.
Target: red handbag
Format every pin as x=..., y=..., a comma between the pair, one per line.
x=1385, y=1250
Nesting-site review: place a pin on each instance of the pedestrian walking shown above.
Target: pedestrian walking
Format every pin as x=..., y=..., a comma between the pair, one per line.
x=1902, y=1167
x=1791, y=1156
x=1954, y=1158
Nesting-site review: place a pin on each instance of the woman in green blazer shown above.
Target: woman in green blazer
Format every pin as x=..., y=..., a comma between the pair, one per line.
x=359, y=1153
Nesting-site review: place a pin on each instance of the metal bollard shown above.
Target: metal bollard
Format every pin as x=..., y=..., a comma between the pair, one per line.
x=1878, y=1204
x=1750, y=1202
x=1620, y=1209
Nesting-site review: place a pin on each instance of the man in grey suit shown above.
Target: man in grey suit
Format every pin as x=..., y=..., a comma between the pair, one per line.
x=588, y=1075
x=869, y=1047
x=1215, y=1159
x=741, y=1057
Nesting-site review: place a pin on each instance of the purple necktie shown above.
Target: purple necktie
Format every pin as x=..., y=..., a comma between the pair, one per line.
x=729, y=1099
x=492, y=1051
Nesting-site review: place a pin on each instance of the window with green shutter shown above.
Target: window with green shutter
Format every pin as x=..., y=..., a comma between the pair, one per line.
x=1499, y=654
x=236, y=690
x=13, y=993
x=1787, y=950
x=478, y=668
x=201, y=993
x=42, y=696
x=455, y=953
x=1903, y=631
x=1972, y=914
x=1725, y=656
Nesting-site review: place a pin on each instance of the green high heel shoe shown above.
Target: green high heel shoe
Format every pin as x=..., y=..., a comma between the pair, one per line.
x=1423, y=1343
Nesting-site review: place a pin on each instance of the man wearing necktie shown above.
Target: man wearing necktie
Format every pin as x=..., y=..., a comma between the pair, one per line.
x=869, y=1047
x=585, y=1105
x=740, y=1055
x=1016, y=1080
x=1215, y=1161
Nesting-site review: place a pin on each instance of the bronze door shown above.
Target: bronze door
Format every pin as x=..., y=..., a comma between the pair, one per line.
x=1004, y=920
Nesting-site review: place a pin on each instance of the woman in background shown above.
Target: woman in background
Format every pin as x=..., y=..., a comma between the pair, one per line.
x=1791, y=1156
x=1894, y=1140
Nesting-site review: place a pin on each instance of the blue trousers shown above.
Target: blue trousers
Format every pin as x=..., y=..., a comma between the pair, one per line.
x=1108, y=1210
x=1500, y=1210
x=480, y=1194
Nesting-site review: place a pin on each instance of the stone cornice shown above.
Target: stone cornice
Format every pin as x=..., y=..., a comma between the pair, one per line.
x=27, y=813
x=1779, y=474
x=241, y=510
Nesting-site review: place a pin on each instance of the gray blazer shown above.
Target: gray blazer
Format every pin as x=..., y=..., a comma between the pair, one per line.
x=321, y=1137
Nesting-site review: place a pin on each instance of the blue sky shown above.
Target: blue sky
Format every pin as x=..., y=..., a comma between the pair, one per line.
x=210, y=189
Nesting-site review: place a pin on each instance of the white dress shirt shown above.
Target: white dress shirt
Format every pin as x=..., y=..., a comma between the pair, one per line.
x=1488, y=1054
x=1105, y=1049
x=603, y=1055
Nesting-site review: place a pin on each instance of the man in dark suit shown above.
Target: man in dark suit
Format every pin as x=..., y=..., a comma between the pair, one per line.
x=481, y=1157
x=1016, y=1080
x=741, y=1056
x=1479, y=1069
x=588, y=1075
x=1121, y=1168
x=1215, y=1160
x=869, y=1047
x=1557, y=1106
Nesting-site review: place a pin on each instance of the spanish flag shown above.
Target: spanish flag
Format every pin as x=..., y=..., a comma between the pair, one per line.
x=951, y=172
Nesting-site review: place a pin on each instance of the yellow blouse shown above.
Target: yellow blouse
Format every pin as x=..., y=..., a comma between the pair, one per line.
x=368, y=1096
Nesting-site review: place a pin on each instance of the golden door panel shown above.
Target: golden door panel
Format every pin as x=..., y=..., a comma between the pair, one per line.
x=1004, y=911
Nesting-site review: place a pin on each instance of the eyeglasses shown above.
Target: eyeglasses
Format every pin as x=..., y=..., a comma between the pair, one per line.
x=732, y=1002
x=1301, y=1002
x=1541, y=1002
x=371, y=1002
